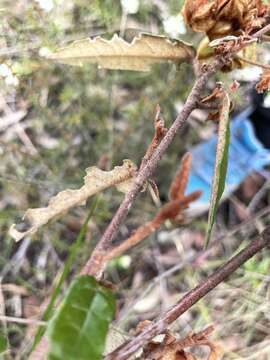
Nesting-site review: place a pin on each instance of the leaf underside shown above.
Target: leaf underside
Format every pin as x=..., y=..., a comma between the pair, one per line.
x=118, y=54
x=79, y=328
x=221, y=163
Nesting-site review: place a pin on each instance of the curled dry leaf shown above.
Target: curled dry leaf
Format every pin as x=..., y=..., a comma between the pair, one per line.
x=218, y=18
x=144, y=51
x=172, y=349
x=95, y=181
x=264, y=84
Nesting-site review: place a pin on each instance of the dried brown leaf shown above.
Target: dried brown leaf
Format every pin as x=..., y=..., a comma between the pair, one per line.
x=175, y=349
x=144, y=51
x=234, y=86
x=160, y=132
x=170, y=211
x=264, y=84
x=218, y=18
x=179, y=183
x=217, y=93
x=95, y=181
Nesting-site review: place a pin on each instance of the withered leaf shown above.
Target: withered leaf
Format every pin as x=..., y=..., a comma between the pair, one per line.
x=219, y=18
x=95, y=181
x=264, y=84
x=179, y=183
x=144, y=51
x=175, y=349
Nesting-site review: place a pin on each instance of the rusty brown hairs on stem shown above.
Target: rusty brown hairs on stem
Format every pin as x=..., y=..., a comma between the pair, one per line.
x=170, y=211
x=160, y=132
x=179, y=183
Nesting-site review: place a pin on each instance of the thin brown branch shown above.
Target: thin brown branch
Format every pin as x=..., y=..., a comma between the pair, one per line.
x=169, y=211
x=266, y=38
x=22, y=320
x=141, y=233
x=254, y=63
x=170, y=346
x=205, y=106
x=161, y=324
x=94, y=266
x=261, y=32
x=195, y=260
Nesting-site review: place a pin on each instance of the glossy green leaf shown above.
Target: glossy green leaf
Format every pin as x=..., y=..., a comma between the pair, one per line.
x=79, y=328
x=221, y=163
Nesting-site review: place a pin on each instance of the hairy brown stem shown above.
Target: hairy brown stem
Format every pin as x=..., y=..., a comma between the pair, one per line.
x=168, y=212
x=141, y=233
x=94, y=266
x=161, y=324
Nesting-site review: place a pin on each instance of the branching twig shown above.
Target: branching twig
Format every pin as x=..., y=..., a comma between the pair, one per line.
x=254, y=63
x=161, y=324
x=22, y=320
x=94, y=266
x=169, y=211
x=172, y=348
x=261, y=32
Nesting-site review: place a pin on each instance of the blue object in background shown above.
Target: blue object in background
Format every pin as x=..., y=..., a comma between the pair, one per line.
x=246, y=155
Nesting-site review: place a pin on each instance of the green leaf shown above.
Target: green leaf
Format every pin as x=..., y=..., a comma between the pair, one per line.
x=79, y=328
x=221, y=163
x=138, y=55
